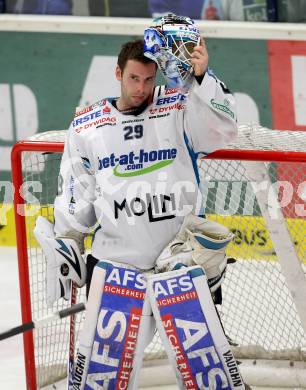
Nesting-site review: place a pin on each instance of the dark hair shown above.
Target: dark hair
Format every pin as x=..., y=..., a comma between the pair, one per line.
x=132, y=50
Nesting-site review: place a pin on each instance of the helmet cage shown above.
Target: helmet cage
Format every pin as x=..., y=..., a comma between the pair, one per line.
x=180, y=43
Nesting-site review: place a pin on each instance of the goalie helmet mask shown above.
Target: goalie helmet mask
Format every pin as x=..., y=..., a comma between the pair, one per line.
x=170, y=44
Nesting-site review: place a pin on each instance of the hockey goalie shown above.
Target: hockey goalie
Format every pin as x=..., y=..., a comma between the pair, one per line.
x=129, y=173
x=119, y=323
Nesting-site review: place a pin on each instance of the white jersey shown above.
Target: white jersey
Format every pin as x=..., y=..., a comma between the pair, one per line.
x=133, y=178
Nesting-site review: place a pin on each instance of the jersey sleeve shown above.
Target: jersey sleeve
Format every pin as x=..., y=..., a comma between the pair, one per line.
x=210, y=117
x=73, y=206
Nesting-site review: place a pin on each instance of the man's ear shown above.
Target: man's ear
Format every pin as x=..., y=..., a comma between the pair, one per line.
x=118, y=73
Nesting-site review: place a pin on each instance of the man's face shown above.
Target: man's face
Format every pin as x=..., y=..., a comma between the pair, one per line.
x=137, y=83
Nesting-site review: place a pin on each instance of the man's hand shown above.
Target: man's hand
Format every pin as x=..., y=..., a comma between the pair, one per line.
x=199, y=59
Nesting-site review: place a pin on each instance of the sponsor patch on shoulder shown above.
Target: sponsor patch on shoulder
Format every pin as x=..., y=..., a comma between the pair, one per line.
x=222, y=107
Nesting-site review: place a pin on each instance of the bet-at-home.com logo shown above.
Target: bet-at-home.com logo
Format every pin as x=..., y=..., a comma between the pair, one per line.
x=135, y=164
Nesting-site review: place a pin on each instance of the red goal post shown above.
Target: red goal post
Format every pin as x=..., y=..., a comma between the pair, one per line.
x=257, y=187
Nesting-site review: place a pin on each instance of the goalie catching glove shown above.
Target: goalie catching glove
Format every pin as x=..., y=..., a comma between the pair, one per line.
x=64, y=261
x=199, y=241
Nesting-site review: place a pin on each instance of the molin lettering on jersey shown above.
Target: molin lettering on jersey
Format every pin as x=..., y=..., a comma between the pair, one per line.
x=158, y=207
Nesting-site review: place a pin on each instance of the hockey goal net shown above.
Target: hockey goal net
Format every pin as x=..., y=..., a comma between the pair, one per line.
x=256, y=187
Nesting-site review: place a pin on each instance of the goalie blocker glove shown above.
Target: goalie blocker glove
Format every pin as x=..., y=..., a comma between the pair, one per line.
x=198, y=242
x=65, y=263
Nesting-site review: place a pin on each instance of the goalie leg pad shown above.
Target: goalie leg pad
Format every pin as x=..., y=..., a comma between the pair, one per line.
x=191, y=331
x=65, y=263
x=116, y=329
